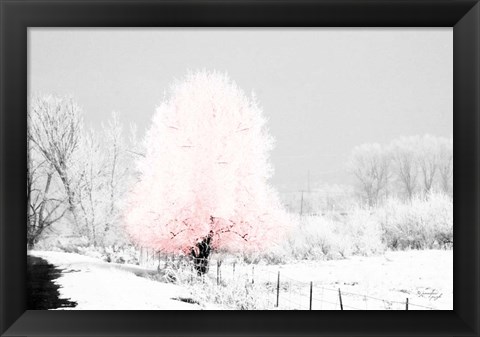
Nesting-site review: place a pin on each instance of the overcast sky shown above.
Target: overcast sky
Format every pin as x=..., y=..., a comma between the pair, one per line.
x=323, y=90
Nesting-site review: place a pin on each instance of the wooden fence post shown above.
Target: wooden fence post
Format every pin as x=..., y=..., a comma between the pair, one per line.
x=233, y=271
x=340, y=297
x=278, y=288
x=311, y=292
x=253, y=274
x=218, y=273
x=406, y=304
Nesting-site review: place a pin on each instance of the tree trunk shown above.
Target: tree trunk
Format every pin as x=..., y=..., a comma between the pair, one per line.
x=31, y=243
x=201, y=254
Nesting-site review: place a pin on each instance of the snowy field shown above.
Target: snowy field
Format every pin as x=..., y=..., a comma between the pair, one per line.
x=381, y=282
x=366, y=283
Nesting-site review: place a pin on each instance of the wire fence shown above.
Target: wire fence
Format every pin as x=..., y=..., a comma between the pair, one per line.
x=278, y=290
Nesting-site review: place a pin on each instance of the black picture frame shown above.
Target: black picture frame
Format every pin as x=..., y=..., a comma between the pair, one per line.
x=17, y=15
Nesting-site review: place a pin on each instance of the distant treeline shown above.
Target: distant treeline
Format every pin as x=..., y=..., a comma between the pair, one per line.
x=406, y=168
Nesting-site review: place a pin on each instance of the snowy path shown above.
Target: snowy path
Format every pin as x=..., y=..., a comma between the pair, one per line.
x=98, y=285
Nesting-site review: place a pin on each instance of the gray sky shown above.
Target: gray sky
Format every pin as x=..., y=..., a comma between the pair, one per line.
x=324, y=90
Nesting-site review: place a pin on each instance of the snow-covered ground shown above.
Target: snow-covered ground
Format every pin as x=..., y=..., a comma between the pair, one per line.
x=425, y=277
x=366, y=283
x=98, y=285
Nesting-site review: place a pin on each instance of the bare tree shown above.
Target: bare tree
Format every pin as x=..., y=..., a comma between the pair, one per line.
x=445, y=163
x=428, y=160
x=136, y=149
x=55, y=125
x=418, y=164
x=370, y=165
x=120, y=156
x=45, y=205
x=106, y=165
x=113, y=136
x=405, y=158
x=91, y=192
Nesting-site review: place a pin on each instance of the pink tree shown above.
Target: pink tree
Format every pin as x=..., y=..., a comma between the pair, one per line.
x=204, y=179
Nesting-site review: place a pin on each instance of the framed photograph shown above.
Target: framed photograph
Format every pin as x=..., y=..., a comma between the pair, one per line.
x=251, y=168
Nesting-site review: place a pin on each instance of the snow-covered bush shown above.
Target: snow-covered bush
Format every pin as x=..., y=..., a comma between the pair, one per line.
x=275, y=254
x=238, y=294
x=114, y=254
x=333, y=236
x=364, y=231
x=120, y=254
x=422, y=223
x=81, y=245
x=318, y=237
x=63, y=243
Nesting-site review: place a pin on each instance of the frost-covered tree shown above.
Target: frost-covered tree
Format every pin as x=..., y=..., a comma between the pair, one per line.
x=370, y=164
x=107, y=173
x=406, y=161
x=428, y=160
x=445, y=164
x=46, y=204
x=92, y=192
x=55, y=127
x=204, y=179
x=119, y=173
x=416, y=165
